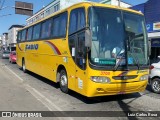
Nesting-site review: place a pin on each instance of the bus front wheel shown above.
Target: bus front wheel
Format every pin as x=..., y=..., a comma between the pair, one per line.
x=63, y=81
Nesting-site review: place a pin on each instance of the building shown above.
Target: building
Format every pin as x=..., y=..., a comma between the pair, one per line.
x=116, y=3
x=61, y=4
x=151, y=11
x=51, y=8
x=4, y=41
x=12, y=35
x=0, y=42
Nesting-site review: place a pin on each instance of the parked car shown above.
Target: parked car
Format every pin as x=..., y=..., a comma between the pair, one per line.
x=5, y=54
x=12, y=57
x=154, y=77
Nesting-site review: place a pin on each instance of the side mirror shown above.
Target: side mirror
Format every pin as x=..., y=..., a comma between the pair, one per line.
x=88, y=38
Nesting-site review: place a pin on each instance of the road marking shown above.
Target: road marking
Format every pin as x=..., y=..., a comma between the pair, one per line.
x=14, y=73
x=40, y=97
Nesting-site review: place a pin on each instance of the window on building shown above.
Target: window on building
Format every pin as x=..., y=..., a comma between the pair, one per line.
x=42, y=15
x=46, y=29
x=29, y=33
x=77, y=20
x=59, y=25
x=58, y=6
x=47, y=11
x=36, y=31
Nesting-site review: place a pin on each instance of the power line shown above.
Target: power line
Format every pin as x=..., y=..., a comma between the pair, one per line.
x=5, y=15
x=2, y=3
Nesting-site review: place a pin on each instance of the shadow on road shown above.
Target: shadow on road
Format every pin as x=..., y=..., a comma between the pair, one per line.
x=149, y=88
x=102, y=99
x=125, y=107
x=84, y=99
x=45, y=80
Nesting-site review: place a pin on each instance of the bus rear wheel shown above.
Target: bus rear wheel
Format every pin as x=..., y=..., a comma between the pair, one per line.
x=24, y=66
x=63, y=81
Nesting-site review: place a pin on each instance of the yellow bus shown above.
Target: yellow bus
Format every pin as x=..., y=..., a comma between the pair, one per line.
x=93, y=49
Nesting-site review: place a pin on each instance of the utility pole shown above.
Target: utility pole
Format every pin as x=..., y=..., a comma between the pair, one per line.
x=119, y=3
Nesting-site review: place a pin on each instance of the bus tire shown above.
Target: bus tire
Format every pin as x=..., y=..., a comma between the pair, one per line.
x=24, y=66
x=63, y=81
x=155, y=85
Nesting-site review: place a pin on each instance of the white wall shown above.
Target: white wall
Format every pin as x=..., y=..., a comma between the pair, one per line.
x=122, y=4
x=12, y=35
x=67, y=3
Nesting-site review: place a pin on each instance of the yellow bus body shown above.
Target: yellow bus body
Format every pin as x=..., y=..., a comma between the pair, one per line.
x=46, y=63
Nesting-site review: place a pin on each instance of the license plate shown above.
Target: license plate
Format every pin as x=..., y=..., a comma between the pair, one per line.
x=121, y=92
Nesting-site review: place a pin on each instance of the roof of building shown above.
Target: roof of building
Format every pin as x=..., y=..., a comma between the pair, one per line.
x=41, y=9
x=16, y=26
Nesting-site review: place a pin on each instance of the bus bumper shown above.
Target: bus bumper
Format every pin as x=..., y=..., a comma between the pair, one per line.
x=98, y=89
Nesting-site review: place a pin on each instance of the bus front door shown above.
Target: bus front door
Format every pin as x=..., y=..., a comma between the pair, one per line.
x=80, y=60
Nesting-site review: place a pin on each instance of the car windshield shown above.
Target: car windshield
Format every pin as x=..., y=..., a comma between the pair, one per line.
x=6, y=52
x=111, y=31
x=14, y=53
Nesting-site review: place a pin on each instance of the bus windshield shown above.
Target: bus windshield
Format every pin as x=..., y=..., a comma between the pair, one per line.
x=117, y=35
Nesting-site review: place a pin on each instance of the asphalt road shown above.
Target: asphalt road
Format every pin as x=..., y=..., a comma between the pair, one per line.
x=29, y=92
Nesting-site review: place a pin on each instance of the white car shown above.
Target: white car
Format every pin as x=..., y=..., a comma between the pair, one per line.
x=154, y=77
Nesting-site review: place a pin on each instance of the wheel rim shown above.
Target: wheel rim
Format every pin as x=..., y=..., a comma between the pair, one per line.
x=156, y=86
x=63, y=80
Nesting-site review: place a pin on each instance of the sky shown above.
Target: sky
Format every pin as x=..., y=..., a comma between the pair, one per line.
x=9, y=18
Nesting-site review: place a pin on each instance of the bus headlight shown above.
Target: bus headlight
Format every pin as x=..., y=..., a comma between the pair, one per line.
x=99, y=79
x=144, y=77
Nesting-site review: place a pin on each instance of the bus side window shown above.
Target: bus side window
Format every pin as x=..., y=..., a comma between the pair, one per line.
x=73, y=22
x=23, y=35
x=77, y=20
x=59, y=26
x=36, y=31
x=29, y=34
x=46, y=29
x=19, y=37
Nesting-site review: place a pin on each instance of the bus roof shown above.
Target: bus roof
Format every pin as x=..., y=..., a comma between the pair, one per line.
x=87, y=3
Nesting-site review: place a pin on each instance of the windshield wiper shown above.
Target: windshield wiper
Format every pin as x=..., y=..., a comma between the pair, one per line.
x=117, y=64
x=136, y=59
x=134, y=56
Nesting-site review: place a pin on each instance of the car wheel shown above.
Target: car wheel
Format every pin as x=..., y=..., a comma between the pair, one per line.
x=155, y=85
x=24, y=66
x=63, y=81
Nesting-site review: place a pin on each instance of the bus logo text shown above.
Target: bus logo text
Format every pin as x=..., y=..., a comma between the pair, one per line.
x=32, y=47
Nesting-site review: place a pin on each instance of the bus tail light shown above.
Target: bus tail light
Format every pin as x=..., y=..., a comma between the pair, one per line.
x=151, y=67
x=99, y=79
